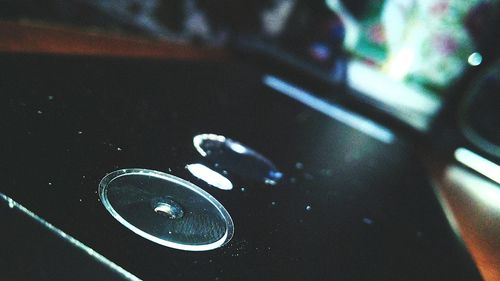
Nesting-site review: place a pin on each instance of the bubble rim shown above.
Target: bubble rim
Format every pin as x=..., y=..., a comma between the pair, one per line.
x=108, y=178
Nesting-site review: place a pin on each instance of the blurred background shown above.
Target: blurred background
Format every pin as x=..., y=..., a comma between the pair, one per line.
x=404, y=54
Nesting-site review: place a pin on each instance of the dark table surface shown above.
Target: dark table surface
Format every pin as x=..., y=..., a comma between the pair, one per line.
x=68, y=121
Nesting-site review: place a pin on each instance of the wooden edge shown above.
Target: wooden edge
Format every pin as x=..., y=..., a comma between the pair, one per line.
x=471, y=215
x=28, y=37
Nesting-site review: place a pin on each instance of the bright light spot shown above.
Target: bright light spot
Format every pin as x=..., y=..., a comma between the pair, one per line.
x=399, y=64
x=413, y=105
x=475, y=59
x=236, y=147
x=478, y=163
x=199, y=139
x=209, y=176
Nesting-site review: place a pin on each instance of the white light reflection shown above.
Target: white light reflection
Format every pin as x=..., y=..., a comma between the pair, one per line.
x=199, y=139
x=209, y=176
x=334, y=111
x=399, y=65
x=238, y=148
x=478, y=163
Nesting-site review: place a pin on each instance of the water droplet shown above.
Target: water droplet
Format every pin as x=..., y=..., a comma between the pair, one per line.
x=169, y=208
x=227, y=155
x=367, y=221
x=326, y=172
x=308, y=208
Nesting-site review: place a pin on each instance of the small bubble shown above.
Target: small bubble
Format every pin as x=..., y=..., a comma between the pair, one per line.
x=170, y=232
x=119, y=149
x=242, y=189
x=299, y=166
x=50, y=183
x=39, y=112
x=170, y=170
x=308, y=208
x=80, y=199
x=79, y=132
x=50, y=97
x=224, y=172
x=293, y=180
x=273, y=203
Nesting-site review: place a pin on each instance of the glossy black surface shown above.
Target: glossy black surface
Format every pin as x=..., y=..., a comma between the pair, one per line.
x=348, y=208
